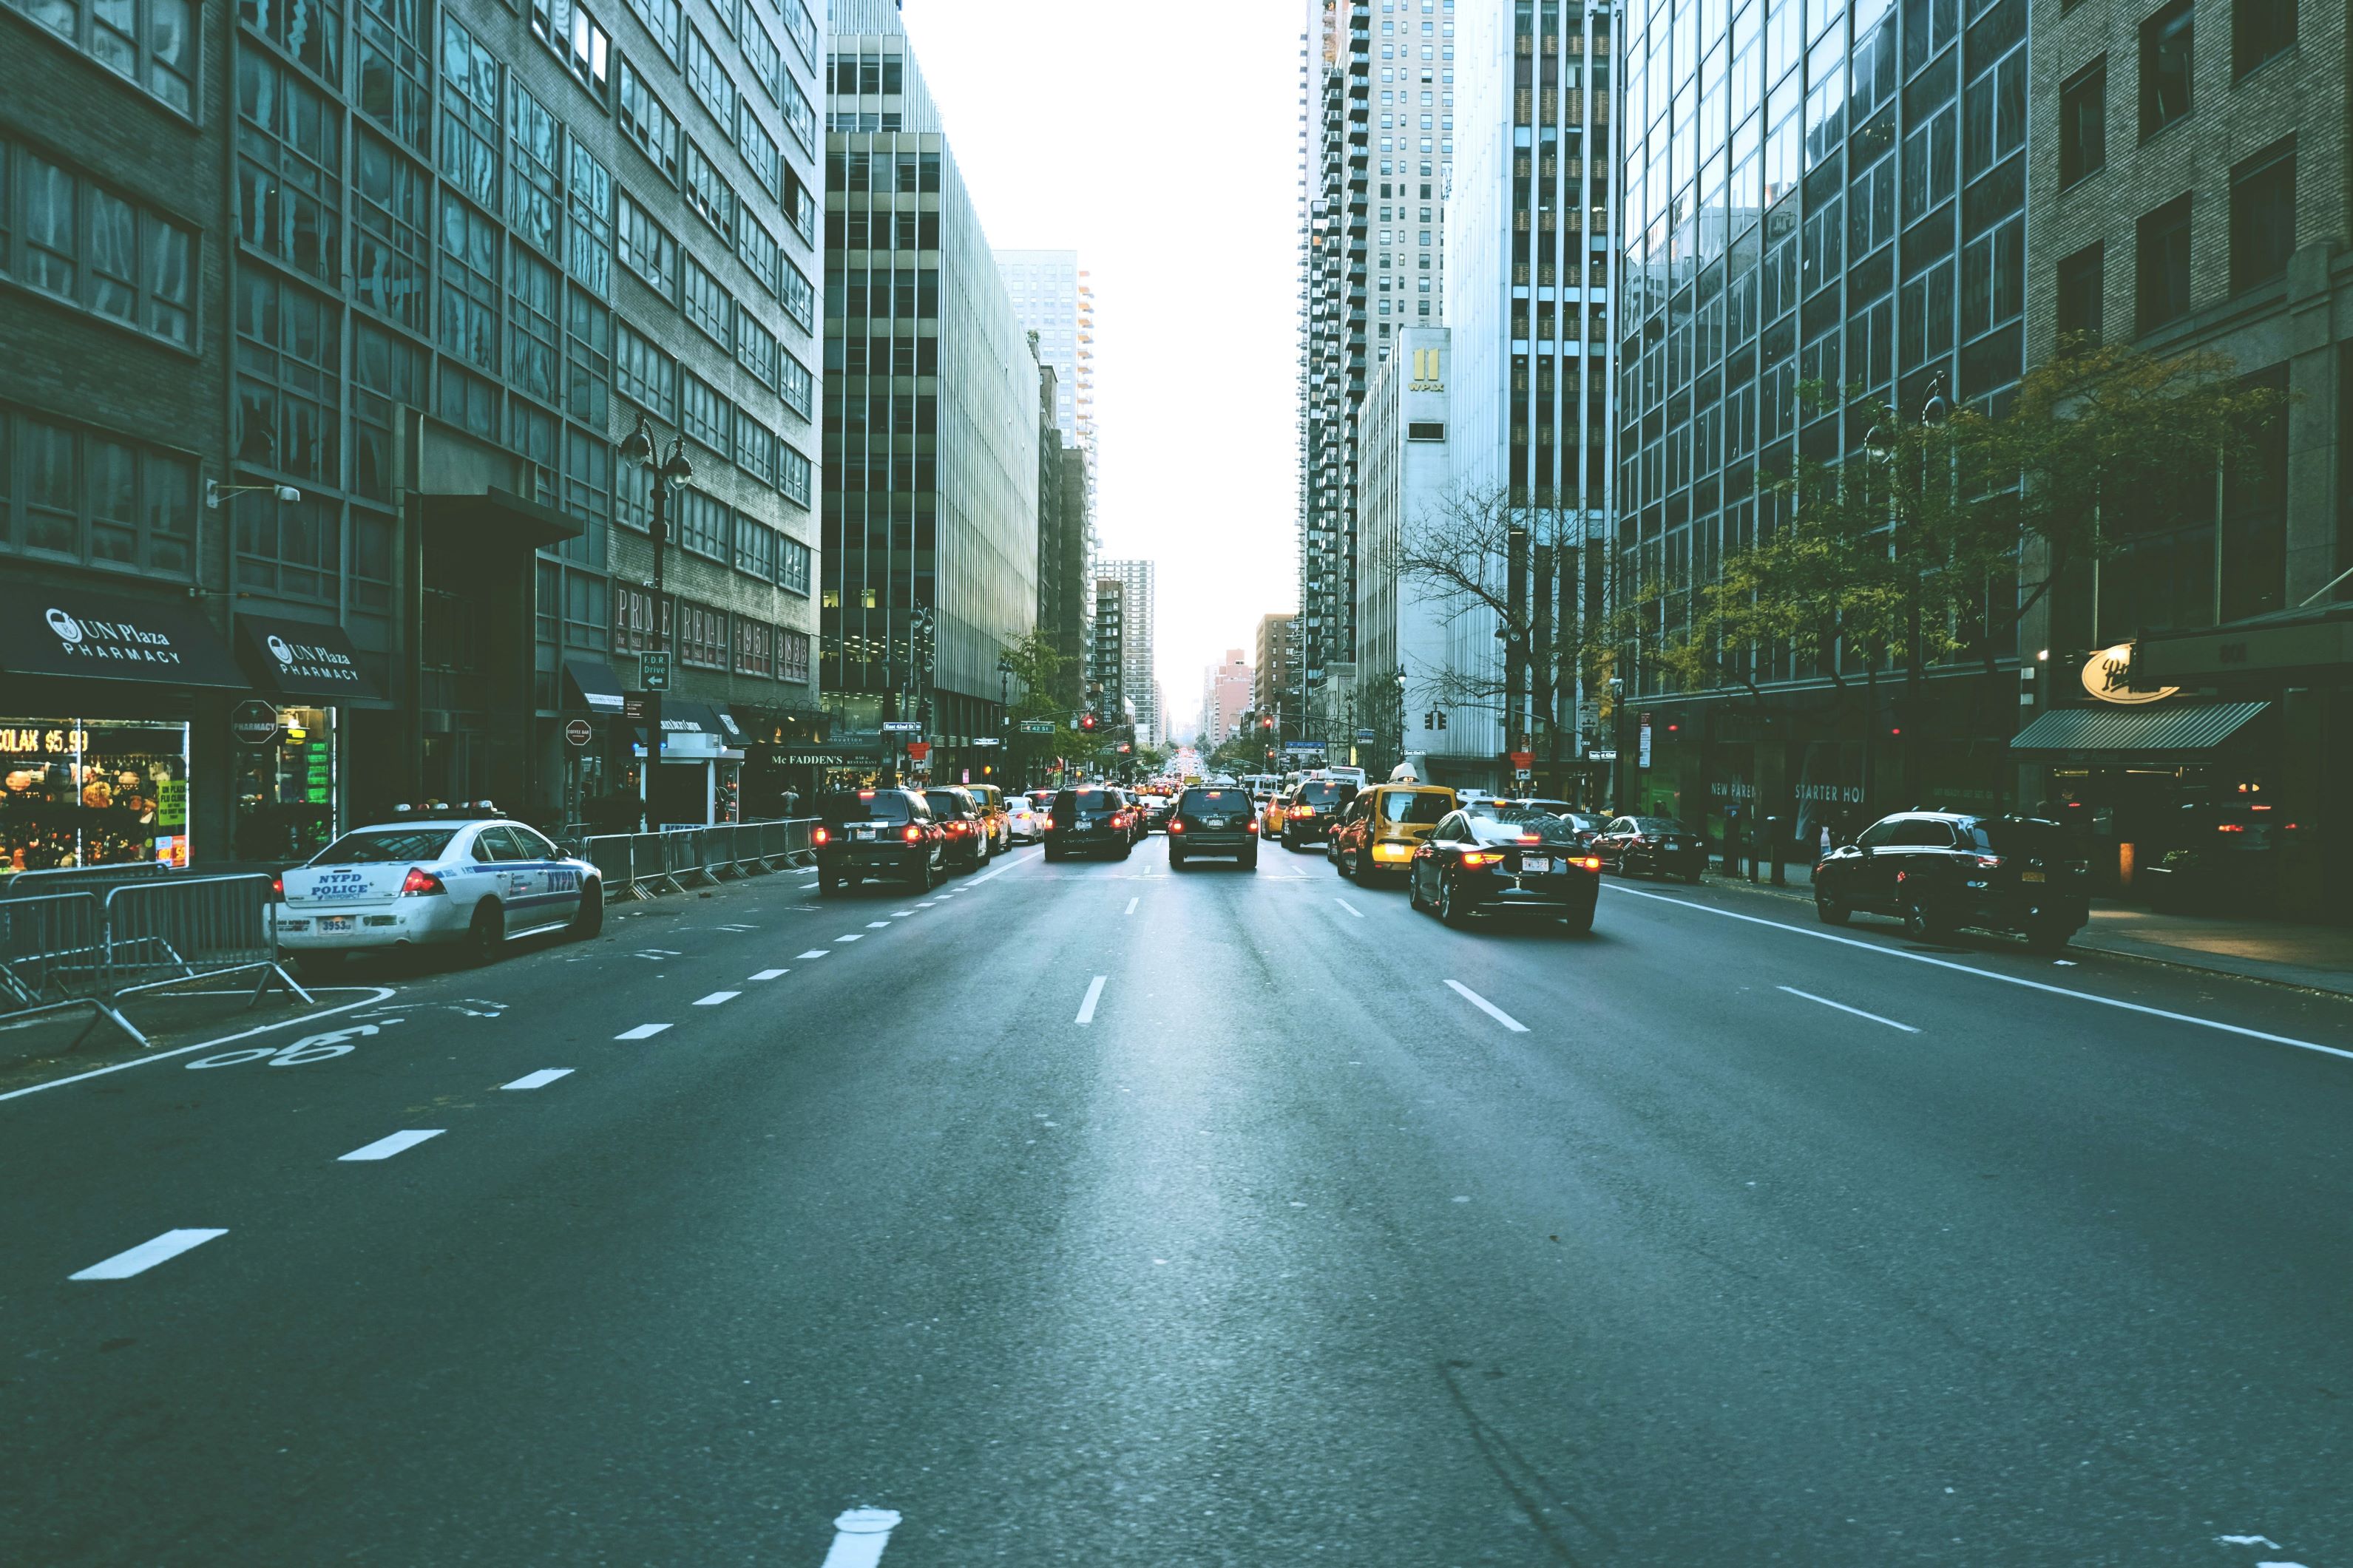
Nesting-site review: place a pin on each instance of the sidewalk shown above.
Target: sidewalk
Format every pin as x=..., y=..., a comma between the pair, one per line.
x=2316, y=957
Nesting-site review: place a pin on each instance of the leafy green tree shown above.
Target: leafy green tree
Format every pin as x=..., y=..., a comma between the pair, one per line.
x=1040, y=669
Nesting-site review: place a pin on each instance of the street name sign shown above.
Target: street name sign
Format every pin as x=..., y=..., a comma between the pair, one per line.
x=902, y=726
x=653, y=671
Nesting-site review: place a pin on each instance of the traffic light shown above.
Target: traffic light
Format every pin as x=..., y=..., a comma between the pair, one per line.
x=1087, y=721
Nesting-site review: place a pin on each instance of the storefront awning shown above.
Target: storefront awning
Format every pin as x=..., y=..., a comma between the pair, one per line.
x=101, y=635
x=302, y=658
x=2134, y=734
x=727, y=725
x=496, y=514
x=590, y=683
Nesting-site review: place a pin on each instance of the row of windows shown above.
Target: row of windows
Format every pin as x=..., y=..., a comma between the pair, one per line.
x=2262, y=237
x=94, y=497
x=709, y=638
x=153, y=43
x=2261, y=30
x=75, y=240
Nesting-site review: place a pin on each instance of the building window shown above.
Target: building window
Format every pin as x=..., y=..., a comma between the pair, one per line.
x=705, y=526
x=151, y=43
x=389, y=71
x=532, y=196
x=702, y=634
x=470, y=115
x=705, y=416
x=799, y=387
x=708, y=78
x=644, y=373
x=792, y=656
x=662, y=19
x=309, y=31
x=2084, y=122
x=292, y=549
x=792, y=475
x=2260, y=30
x=755, y=651
x=800, y=119
x=755, y=548
x=2166, y=41
x=2262, y=215
x=92, y=497
x=647, y=248
x=756, y=349
x=708, y=192
x=801, y=27
x=289, y=361
x=2161, y=265
x=469, y=284
x=1993, y=278
x=756, y=447
x=2082, y=278
x=799, y=298
x=649, y=122
x=708, y=304
x=532, y=290
x=760, y=251
x=290, y=174
x=588, y=358
x=759, y=148
x=566, y=28
x=86, y=246
x=792, y=565
x=391, y=252
x=587, y=482
x=588, y=240
x=386, y=370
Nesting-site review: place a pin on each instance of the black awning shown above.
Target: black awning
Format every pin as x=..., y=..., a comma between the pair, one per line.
x=2135, y=734
x=103, y=636
x=503, y=515
x=728, y=726
x=302, y=658
x=680, y=715
x=594, y=684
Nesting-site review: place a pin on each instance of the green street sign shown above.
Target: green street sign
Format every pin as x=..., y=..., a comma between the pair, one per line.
x=1037, y=726
x=653, y=671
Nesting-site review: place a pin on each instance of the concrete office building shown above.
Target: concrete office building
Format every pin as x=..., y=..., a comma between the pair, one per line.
x=932, y=418
x=1412, y=140
x=1108, y=697
x=1226, y=697
x=1045, y=286
x=418, y=269
x=1530, y=319
x=2187, y=179
x=1823, y=193
x=1274, y=664
x=1138, y=597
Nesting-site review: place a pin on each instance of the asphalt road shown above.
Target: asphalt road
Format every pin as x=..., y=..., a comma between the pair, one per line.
x=1087, y=1214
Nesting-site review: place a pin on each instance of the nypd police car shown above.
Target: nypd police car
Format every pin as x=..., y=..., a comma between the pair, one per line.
x=439, y=875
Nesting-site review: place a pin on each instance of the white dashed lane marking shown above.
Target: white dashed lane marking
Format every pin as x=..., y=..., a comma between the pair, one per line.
x=642, y=1032
x=385, y=1148
x=851, y=936
x=716, y=998
x=1488, y=1007
x=878, y=925
x=858, y=1537
x=1350, y=907
x=1130, y=908
x=815, y=952
x=771, y=973
x=1094, y=994
x=539, y=1079
x=147, y=1254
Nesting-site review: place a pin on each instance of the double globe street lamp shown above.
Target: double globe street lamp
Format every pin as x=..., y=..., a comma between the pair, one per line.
x=674, y=470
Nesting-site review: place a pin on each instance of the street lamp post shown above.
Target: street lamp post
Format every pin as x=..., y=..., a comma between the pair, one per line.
x=1934, y=409
x=638, y=447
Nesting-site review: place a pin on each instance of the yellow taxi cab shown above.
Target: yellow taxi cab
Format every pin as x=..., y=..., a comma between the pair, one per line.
x=996, y=826
x=1270, y=820
x=1384, y=825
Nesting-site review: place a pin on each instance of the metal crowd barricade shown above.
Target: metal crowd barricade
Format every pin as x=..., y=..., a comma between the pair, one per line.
x=639, y=865
x=192, y=928
x=82, y=878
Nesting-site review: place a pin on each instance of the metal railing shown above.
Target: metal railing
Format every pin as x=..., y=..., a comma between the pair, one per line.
x=91, y=947
x=640, y=865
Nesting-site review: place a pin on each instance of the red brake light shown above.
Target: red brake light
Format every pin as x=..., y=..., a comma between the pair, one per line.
x=819, y=836
x=418, y=881
x=277, y=886
x=1476, y=858
x=913, y=835
x=1591, y=862
x=866, y=794
x=1175, y=825
x=1989, y=862
x=1253, y=825
x=1049, y=824
x=2230, y=827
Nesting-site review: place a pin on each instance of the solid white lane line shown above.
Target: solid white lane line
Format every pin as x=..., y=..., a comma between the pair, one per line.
x=1130, y=908
x=539, y=1079
x=146, y=1255
x=989, y=877
x=1350, y=907
x=1996, y=974
x=1844, y=1008
x=642, y=1032
x=878, y=925
x=860, y=1535
x=771, y=973
x=1489, y=1008
x=816, y=953
x=1094, y=994
x=385, y=1148
x=716, y=998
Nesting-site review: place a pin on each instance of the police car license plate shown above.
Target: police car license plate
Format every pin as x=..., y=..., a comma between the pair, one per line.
x=334, y=923
x=1535, y=862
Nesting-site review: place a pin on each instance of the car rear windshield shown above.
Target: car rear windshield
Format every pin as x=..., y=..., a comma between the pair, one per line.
x=1324, y=791
x=1205, y=802
x=1525, y=819
x=1996, y=836
x=867, y=805
x=1659, y=825
x=945, y=802
x=375, y=844
x=1076, y=800
x=1414, y=805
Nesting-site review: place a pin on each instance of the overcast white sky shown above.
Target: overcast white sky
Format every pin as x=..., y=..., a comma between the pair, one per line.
x=1166, y=155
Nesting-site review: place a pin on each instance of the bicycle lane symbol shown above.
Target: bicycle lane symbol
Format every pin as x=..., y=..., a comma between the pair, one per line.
x=309, y=1048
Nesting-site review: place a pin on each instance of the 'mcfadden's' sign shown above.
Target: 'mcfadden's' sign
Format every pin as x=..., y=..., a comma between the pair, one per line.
x=2107, y=675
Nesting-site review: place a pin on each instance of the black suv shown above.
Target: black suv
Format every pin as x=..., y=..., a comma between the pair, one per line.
x=1938, y=871
x=876, y=832
x=1313, y=807
x=963, y=824
x=1213, y=822
x=1090, y=819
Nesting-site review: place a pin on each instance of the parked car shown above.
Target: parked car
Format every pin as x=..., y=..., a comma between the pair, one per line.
x=1940, y=870
x=1585, y=824
x=431, y=882
x=1315, y=805
x=1090, y=819
x=960, y=819
x=2228, y=857
x=1511, y=861
x=1652, y=845
x=885, y=832
x=1213, y=821
x=1383, y=827
x=1024, y=822
x=991, y=803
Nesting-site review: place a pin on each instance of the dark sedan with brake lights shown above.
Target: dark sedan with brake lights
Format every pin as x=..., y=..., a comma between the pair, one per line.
x=1508, y=861
x=1655, y=845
